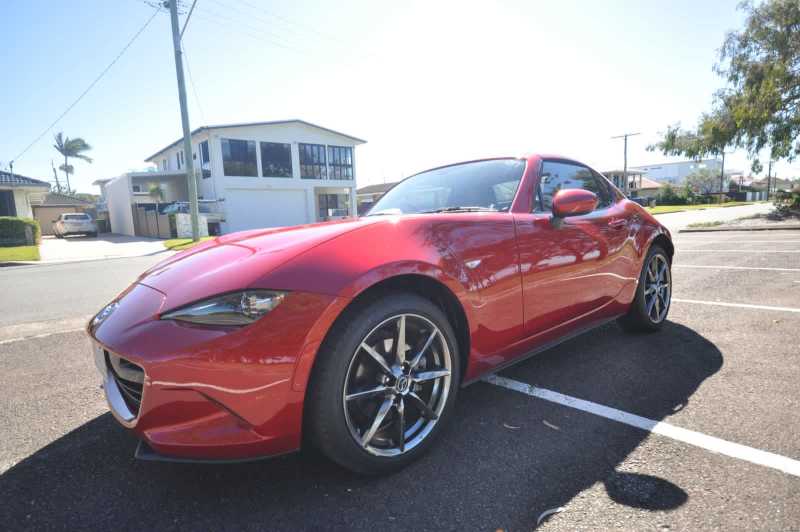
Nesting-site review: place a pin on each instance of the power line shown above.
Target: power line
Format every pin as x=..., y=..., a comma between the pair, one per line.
x=91, y=85
x=194, y=89
x=244, y=29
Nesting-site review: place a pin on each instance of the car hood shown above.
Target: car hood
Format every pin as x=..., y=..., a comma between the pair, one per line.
x=236, y=261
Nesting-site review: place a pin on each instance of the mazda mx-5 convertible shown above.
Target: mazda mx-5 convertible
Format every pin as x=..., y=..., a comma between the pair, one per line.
x=356, y=335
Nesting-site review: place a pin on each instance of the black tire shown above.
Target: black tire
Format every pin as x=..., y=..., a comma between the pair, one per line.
x=639, y=318
x=331, y=430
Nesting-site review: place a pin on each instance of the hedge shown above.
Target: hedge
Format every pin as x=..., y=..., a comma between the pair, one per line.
x=13, y=231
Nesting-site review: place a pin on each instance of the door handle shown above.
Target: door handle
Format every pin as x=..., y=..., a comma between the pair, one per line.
x=618, y=223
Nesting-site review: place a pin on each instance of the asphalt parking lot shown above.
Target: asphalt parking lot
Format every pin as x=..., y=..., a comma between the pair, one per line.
x=705, y=432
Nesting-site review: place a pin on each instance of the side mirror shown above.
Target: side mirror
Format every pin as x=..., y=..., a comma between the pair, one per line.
x=573, y=202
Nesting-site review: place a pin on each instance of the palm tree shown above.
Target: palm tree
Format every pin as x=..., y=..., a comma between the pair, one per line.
x=71, y=148
x=156, y=192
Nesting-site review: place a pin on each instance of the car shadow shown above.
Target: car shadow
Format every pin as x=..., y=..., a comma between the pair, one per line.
x=504, y=460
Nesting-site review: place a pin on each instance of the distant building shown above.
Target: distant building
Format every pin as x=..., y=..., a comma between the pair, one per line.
x=249, y=175
x=675, y=173
x=367, y=196
x=618, y=178
x=18, y=193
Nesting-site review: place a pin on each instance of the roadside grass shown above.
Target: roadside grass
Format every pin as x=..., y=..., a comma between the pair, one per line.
x=179, y=244
x=19, y=253
x=664, y=209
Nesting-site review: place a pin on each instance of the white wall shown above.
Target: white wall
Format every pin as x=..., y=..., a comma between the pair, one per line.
x=119, y=205
x=676, y=173
x=22, y=203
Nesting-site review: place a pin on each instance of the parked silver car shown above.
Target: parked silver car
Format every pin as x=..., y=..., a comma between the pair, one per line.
x=74, y=223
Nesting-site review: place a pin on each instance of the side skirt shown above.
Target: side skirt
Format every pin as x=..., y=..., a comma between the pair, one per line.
x=541, y=348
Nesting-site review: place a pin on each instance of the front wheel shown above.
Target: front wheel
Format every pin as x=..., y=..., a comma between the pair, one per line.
x=384, y=384
x=650, y=306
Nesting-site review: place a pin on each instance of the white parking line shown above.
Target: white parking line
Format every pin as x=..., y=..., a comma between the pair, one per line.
x=710, y=443
x=738, y=305
x=738, y=250
x=736, y=267
x=688, y=241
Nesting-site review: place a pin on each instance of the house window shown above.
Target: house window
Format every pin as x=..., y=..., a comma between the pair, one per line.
x=136, y=188
x=312, y=161
x=164, y=164
x=239, y=158
x=276, y=159
x=340, y=160
x=205, y=160
x=333, y=206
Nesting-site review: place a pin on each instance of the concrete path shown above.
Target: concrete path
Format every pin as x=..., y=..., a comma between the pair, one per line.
x=679, y=220
x=75, y=248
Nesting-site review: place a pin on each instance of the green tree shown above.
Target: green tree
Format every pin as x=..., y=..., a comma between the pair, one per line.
x=71, y=148
x=702, y=181
x=156, y=192
x=760, y=106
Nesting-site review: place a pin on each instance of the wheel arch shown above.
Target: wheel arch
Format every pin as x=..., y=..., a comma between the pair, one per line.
x=664, y=241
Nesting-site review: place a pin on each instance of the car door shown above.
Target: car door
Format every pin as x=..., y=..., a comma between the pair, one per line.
x=567, y=264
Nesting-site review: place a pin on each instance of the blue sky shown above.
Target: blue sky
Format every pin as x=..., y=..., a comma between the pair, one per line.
x=424, y=82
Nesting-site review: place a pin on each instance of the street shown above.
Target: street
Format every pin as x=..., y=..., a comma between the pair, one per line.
x=716, y=388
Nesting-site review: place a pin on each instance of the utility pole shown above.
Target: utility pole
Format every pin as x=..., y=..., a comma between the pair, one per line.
x=769, y=173
x=625, y=160
x=722, y=178
x=55, y=175
x=187, y=134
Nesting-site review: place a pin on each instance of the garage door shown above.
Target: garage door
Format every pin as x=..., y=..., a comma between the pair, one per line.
x=46, y=215
x=253, y=209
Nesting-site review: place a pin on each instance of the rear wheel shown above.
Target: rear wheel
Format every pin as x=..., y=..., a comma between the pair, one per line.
x=651, y=304
x=384, y=384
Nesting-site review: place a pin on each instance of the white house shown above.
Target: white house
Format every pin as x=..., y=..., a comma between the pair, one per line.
x=249, y=175
x=19, y=193
x=675, y=173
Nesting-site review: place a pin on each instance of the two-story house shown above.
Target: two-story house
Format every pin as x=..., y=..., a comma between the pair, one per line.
x=249, y=175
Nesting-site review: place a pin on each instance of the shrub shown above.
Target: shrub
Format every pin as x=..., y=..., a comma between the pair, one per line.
x=13, y=231
x=667, y=195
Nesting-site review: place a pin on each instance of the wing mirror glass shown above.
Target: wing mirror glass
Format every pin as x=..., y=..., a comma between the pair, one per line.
x=573, y=202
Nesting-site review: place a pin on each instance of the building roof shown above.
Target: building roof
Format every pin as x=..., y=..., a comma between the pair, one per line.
x=375, y=189
x=7, y=179
x=54, y=199
x=98, y=182
x=691, y=161
x=246, y=124
x=630, y=171
x=649, y=184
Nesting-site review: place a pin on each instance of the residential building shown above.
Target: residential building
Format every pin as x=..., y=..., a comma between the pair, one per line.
x=368, y=195
x=675, y=173
x=249, y=175
x=48, y=208
x=618, y=178
x=18, y=193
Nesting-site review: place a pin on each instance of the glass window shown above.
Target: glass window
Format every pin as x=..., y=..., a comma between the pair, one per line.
x=239, y=158
x=312, y=161
x=76, y=217
x=488, y=184
x=178, y=160
x=276, y=159
x=164, y=164
x=333, y=206
x=562, y=176
x=205, y=160
x=340, y=162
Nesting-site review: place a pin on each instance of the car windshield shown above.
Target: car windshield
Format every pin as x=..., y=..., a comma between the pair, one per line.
x=76, y=217
x=480, y=185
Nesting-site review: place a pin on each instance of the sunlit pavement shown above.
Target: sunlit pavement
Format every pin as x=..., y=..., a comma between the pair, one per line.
x=103, y=246
x=727, y=373
x=679, y=220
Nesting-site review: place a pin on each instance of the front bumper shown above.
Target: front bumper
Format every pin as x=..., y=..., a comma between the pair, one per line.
x=208, y=394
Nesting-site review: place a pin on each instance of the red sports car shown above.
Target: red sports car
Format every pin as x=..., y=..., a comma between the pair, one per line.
x=356, y=335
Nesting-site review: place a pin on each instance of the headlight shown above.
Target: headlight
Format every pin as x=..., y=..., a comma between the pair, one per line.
x=235, y=309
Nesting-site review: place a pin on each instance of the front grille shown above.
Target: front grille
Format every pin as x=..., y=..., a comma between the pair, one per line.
x=129, y=379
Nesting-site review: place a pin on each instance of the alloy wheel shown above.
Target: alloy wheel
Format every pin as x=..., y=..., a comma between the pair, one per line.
x=657, y=289
x=397, y=385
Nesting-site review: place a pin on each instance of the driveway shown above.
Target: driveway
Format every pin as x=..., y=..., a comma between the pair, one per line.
x=679, y=220
x=105, y=246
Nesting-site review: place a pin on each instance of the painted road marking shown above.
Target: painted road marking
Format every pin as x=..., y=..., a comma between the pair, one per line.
x=36, y=336
x=738, y=250
x=698, y=439
x=41, y=329
x=736, y=268
x=738, y=305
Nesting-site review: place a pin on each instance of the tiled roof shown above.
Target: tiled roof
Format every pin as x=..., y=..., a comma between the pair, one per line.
x=375, y=189
x=54, y=198
x=15, y=180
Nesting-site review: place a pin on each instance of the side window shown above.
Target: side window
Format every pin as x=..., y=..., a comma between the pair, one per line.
x=562, y=176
